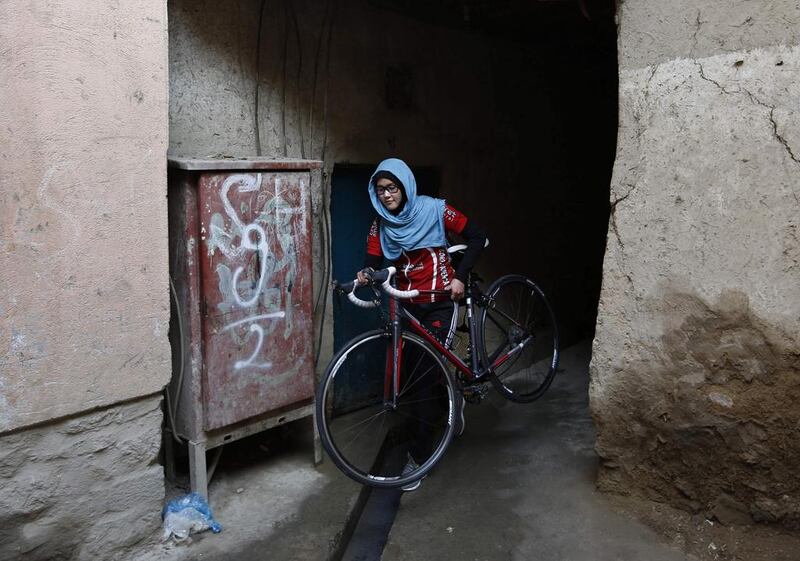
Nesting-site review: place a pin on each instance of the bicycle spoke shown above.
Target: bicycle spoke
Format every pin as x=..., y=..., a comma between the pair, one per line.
x=499, y=328
x=383, y=421
x=413, y=401
x=410, y=375
x=408, y=387
x=359, y=423
x=491, y=317
x=366, y=438
x=420, y=419
x=530, y=311
x=505, y=315
x=347, y=445
x=519, y=312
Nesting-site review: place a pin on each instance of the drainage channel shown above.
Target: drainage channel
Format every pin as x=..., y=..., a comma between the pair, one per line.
x=367, y=530
x=373, y=526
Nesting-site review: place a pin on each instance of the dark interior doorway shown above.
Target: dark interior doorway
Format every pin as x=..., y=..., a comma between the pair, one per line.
x=540, y=158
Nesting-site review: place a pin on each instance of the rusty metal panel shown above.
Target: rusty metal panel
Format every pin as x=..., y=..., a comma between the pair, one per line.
x=186, y=331
x=256, y=303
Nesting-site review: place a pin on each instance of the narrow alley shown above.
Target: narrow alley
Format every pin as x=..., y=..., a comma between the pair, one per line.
x=519, y=484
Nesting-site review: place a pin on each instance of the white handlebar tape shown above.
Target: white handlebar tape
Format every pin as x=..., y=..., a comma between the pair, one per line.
x=393, y=291
x=358, y=301
x=462, y=246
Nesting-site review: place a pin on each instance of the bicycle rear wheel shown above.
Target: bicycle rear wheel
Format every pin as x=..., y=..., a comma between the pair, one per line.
x=367, y=436
x=517, y=311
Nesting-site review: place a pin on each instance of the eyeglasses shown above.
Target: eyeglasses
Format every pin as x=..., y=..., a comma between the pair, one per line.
x=381, y=189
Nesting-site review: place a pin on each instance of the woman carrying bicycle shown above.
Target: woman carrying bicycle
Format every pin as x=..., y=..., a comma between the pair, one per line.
x=387, y=406
x=411, y=231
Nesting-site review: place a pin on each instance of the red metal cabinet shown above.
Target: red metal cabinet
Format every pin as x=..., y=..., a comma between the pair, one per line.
x=240, y=253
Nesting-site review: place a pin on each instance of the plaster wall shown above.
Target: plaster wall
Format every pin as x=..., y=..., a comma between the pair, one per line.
x=85, y=304
x=84, y=299
x=696, y=361
x=494, y=117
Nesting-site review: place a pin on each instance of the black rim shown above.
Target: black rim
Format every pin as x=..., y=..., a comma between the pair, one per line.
x=516, y=311
x=368, y=439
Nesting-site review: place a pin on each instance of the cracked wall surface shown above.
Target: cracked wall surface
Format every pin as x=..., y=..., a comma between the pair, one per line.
x=696, y=361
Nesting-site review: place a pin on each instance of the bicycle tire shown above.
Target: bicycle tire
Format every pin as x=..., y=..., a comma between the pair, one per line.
x=350, y=396
x=516, y=307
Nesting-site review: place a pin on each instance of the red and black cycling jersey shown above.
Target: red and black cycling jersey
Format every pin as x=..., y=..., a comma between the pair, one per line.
x=428, y=268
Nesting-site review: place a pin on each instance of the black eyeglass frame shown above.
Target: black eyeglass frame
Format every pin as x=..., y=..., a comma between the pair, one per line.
x=391, y=189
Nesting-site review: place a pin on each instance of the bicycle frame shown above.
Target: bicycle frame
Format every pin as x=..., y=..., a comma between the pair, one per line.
x=394, y=359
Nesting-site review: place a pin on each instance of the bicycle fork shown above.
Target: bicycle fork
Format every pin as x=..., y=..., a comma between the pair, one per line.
x=394, y=360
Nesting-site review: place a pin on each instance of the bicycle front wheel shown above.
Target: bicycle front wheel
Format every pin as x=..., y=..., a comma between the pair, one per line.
x=373, y=437
x=517, y=312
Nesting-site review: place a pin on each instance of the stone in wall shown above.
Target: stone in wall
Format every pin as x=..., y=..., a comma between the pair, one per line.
x=87, y=488
x=696, y=363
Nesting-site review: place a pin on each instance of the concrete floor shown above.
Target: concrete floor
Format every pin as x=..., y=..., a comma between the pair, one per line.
x=519, y=484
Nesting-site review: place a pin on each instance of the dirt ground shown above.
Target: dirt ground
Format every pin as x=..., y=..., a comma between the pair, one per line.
x=709, y=540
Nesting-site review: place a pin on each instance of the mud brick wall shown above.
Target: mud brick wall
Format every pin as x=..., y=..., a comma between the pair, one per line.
x=85, y=488
x=696, y=362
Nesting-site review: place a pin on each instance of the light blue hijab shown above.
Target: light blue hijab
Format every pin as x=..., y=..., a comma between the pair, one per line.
x=421, y=222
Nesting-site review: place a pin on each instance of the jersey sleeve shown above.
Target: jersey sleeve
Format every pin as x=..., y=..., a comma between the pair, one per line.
x=454, y=221
x=374, y=240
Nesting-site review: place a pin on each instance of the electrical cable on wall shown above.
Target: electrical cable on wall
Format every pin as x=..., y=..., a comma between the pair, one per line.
x=325, y=224
x=298, y=77
x=327, y=81
x=315, y=80
x=327, y=22
x=258, y=75
x=324, y=248
x=172, y=413
x=285, y=58
x=327, y=176
x=325, y=34
x=327, y=185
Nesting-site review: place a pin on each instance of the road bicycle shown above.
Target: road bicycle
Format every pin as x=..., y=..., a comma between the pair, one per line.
x=386, y=406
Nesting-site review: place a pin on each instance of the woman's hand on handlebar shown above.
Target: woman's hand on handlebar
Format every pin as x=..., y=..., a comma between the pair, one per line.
x=456, y=290
x=364, y=276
